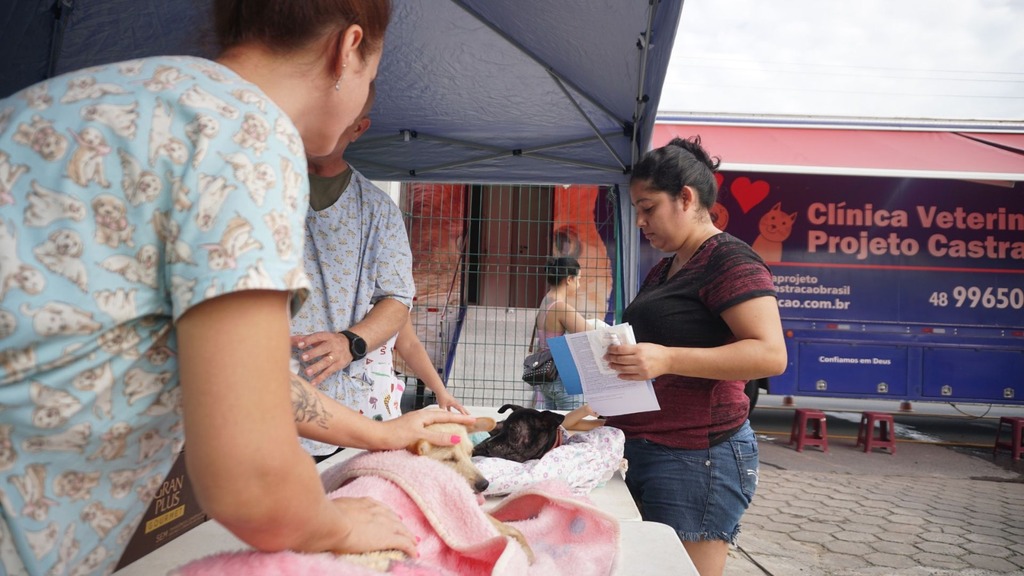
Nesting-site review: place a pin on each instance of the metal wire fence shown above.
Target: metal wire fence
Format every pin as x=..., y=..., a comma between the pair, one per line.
x=479, y=254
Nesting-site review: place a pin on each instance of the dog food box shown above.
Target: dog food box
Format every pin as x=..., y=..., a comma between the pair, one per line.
x=173, y=511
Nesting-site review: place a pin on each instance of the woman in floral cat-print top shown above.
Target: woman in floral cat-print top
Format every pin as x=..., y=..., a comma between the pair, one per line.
x=150, y=247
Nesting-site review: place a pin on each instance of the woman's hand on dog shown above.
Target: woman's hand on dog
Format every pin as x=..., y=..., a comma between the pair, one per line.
x=411, y=427
x=323, y=354
x=372, y=526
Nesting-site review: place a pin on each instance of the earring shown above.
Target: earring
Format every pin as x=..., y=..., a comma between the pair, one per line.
x=337, y=83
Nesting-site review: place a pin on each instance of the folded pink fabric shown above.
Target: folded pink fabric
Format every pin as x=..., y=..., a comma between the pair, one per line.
x=567, y=533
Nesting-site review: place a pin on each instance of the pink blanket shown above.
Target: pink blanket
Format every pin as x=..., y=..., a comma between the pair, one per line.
x=567, y=534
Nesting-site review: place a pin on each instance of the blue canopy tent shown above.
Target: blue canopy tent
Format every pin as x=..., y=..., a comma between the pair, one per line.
x=529, y=91
x=524, y=91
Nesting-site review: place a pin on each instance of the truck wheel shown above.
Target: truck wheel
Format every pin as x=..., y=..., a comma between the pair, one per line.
x=753, y=390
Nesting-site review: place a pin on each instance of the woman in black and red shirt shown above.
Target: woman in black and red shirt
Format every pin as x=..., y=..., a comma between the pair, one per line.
x=706, y=320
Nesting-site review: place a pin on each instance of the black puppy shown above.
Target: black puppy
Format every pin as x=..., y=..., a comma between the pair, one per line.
x=526, y=434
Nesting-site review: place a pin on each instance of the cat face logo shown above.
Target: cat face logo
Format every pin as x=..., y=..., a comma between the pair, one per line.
x=774, y=227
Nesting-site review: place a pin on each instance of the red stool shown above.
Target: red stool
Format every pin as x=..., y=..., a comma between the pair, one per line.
x=818, y=435
x=1014, y=445
x=886, y=437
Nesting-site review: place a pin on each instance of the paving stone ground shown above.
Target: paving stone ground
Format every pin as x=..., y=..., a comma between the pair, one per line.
x=925, y=511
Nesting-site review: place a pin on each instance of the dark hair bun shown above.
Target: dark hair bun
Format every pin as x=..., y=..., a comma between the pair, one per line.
x=561, y=267
x=693, y=147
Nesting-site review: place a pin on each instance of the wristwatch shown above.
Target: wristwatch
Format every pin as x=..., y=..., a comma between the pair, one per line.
x=356, y=345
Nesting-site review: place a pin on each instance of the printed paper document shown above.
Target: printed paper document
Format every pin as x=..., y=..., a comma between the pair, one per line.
x=579, y=358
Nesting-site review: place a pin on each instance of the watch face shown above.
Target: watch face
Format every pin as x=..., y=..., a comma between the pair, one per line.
x=356, y=345
x=359, y=346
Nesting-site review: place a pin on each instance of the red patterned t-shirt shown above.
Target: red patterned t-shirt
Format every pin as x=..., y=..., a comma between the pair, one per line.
x=685, y=311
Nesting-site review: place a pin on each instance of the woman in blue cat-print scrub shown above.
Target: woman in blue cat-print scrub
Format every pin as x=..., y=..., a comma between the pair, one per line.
x=150, y=249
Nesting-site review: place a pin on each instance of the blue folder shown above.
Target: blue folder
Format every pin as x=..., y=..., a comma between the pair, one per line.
x=566, y=367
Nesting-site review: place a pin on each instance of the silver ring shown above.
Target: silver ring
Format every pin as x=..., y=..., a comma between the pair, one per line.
x=331, y=358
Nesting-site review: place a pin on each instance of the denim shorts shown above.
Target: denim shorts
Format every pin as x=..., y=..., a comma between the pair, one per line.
x=700, y=493
x=552, y=396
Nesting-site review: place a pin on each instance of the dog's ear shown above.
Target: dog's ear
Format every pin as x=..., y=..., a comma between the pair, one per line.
x=483, y=424
x=420, y=447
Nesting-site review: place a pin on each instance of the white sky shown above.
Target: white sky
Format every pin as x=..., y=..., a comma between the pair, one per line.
x=939, y=59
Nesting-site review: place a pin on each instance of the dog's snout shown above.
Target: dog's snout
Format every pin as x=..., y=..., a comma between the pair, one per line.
x=480, y=485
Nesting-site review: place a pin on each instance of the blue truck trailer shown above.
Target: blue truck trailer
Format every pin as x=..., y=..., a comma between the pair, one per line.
x=909, y=289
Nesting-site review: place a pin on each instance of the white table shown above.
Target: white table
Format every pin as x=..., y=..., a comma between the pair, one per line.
x=651, y=549
x=645, y=548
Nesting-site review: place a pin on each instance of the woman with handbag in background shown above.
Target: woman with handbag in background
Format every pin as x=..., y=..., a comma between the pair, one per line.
x=557, y=316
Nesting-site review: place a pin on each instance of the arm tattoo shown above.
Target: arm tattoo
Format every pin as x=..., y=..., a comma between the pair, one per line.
x=307, y=404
